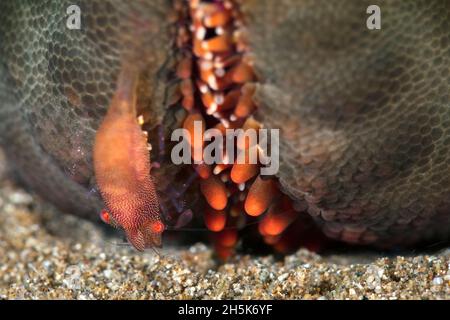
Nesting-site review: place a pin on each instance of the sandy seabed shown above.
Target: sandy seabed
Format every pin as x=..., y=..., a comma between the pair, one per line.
x=48, y=255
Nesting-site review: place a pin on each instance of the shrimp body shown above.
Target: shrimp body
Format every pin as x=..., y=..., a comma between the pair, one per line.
x=122, y=169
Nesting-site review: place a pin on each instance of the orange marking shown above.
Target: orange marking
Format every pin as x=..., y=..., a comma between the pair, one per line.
x=221, y=43
x=220, y=167
x=104, y=215
x=271, y=240
x=259, y=196
x=157, y=227
x=242, y=73
x=276, y=221
x=227, y=238
x=245, y=106
x=198, y=49
x=207, y=99
x=216, y=19
x=230, y=101
x=215, y=220
x=203, y=170
x=221, y=128
x=215, y=192
x=241, y=173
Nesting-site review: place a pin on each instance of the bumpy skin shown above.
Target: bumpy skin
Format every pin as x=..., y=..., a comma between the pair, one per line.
x=56, y=84
x=364, y=114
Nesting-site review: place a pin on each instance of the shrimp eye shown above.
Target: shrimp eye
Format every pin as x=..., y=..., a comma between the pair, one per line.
x=105, y=216
x=157, y=227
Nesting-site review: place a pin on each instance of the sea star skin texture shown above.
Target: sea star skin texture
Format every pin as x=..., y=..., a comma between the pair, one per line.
x=364, y=115
x=49, y=124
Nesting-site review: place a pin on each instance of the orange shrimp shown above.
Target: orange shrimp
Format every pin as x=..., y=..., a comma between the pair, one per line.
x=122, y=169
